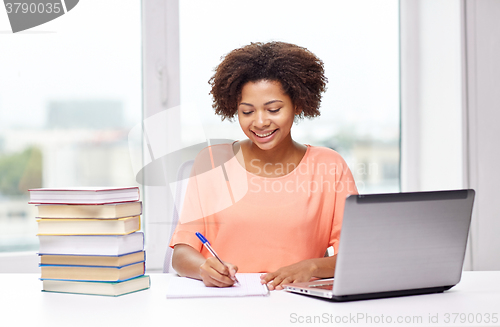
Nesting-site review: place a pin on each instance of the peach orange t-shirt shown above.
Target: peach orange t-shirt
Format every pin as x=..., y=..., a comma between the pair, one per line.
x=262, y=224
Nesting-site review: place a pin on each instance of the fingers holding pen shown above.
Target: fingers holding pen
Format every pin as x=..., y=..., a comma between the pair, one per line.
x=232, y=271
x=214, y=273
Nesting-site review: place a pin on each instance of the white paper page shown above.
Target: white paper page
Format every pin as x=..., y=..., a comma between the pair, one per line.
x=182, y=287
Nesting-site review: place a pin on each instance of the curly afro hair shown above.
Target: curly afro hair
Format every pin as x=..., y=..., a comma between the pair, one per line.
x=299, y=71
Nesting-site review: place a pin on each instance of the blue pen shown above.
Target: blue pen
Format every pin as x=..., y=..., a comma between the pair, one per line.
x=206, y=243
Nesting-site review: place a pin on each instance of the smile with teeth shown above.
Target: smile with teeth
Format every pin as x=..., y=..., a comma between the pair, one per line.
x=264, y=135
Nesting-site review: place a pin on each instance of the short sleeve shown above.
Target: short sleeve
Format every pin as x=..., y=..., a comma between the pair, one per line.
x=344, y=187
x=185, y=231
x=207, y=193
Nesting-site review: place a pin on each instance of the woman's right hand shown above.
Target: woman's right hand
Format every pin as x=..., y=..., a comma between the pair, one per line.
x=215, y=274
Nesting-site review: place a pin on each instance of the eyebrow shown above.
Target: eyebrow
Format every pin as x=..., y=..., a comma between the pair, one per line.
x=267, y=103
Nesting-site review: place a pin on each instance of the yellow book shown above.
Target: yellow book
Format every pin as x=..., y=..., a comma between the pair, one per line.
x=97, y=211
x=120, y=226
x=93, y=260
x=83, y=273
x=97, y=288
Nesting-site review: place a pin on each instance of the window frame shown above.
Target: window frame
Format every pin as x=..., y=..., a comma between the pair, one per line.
x=161, y=91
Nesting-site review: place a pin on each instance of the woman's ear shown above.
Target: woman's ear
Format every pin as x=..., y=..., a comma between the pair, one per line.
x=298, y=111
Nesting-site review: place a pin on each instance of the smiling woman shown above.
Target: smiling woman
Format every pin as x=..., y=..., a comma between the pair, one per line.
x=267, y=85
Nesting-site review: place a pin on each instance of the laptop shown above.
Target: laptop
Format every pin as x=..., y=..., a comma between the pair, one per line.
x=397, y=244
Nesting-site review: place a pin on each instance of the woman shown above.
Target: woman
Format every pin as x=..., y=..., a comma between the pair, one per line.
x=286, y=199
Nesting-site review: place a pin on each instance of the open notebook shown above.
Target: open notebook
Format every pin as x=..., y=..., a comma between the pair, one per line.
x=183, y=287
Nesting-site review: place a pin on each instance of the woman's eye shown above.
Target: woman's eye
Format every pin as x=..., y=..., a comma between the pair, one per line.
x=247, y=112
x=274, y=110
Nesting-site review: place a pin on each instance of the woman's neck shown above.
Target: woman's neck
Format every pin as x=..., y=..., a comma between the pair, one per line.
x=282, y=153
x=275, y=160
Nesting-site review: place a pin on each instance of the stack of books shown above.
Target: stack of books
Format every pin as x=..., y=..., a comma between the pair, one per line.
x=90, y=241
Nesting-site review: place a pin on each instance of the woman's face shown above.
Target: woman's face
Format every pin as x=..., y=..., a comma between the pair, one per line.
x=265, y=113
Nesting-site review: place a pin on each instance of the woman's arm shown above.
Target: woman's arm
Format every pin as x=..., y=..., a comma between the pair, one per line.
x=188, y=262
x=301, y=271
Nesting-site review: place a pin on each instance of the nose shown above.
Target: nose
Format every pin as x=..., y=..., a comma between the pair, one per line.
x=261, y=119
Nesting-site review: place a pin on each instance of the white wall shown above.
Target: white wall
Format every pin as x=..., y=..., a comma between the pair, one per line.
x=431, y=83
x=450, y=78
x=482, y=34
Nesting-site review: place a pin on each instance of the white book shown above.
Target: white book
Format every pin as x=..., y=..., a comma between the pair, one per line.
x=118, y=226
x=92, y=244
x=83, y=195
x=183, y=287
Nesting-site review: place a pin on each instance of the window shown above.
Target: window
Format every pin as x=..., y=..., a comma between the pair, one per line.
x=357, y=40
x=70, y=92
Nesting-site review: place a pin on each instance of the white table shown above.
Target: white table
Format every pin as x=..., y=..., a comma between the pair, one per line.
x=23, y=304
